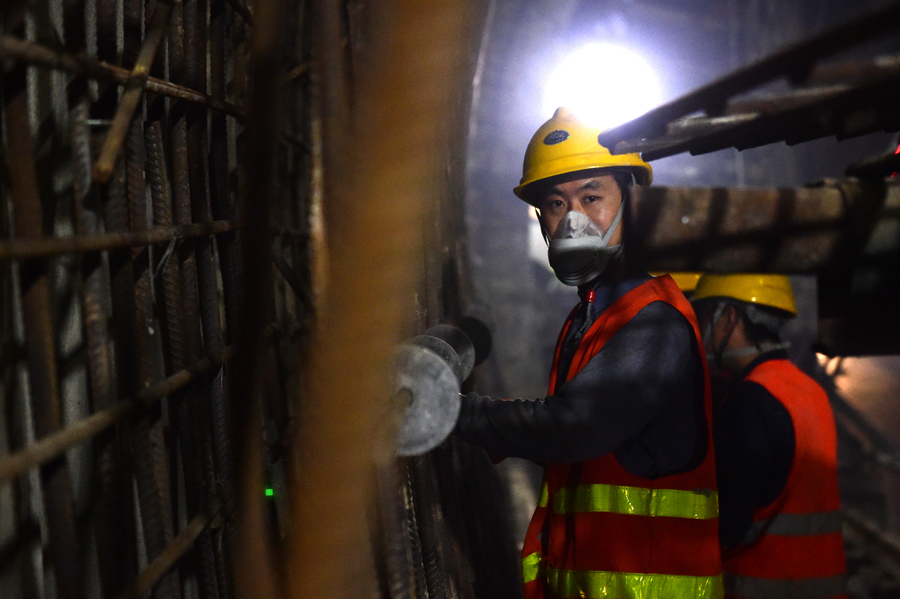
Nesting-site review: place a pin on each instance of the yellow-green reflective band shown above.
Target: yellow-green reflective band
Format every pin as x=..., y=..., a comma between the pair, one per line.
x=593, y=584
x=531, y=567
x=637, y=501
x=542, y=500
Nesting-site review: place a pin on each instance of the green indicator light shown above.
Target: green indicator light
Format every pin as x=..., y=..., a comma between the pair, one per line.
x=270, y=492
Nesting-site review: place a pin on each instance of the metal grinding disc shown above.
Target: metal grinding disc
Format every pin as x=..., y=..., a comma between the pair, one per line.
x=460, y=343
x=428, y=386
x=443, y=349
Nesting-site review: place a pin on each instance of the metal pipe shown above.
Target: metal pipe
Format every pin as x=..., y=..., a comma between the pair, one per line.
x=33, y=53
x=795, y=60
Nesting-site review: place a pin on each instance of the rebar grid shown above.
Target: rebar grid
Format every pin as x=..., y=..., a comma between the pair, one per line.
x=166, y=237
x=120, y=211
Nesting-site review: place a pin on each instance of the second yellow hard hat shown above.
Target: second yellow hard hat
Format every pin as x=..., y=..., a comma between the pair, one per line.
x=761, y=289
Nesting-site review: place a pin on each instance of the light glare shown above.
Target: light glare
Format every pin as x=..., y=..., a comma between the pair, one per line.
x=604, y=84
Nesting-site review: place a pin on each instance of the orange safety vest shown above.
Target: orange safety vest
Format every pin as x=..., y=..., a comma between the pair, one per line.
x=799, y=552
x=599, y=531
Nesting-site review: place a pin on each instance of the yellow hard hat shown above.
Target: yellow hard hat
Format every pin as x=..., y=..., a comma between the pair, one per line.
x=761, y=289
x=566, y=145
x=686, y=281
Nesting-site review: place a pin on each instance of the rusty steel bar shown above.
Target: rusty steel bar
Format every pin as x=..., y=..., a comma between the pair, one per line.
x=222, y=199
x=182, y=402
x=132, y=95
x=221, y=192
x=754, y=230
x=54, y=445
x=192, y=410
x=796, y=61
x=182, y=417
x=115, y=542
x=177, y=548
x=40, y=343
x=46, y=247
x=152, y=472
x=33, y=53
x=216, y=461
x=112, y=521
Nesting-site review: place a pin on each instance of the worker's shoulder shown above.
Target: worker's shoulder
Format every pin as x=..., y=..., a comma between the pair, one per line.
x=658, y=326
x=662, y=313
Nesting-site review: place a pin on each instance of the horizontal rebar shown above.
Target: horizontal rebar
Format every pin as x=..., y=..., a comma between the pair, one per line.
x=171, y=554
x=31, y=53
x=131, y=96
x=53, y=445
x=42, y=247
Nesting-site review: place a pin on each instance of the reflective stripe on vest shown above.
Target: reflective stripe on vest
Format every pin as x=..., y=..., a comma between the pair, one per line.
x=767, y=588
x=634, y=501
x=797, y=525
x=532, y=567
x=596, y=584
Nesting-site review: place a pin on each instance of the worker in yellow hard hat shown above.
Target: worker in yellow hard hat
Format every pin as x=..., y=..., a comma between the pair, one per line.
x=755, y=306
x=628, y=506
x=776, y=446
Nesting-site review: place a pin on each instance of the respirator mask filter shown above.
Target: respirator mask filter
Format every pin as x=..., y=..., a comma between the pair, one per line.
x=579, y=251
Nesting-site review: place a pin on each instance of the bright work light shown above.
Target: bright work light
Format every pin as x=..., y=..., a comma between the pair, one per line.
x=604, y=84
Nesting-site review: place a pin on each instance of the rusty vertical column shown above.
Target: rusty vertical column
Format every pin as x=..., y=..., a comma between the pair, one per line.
x=40, y=345
x=259, y=570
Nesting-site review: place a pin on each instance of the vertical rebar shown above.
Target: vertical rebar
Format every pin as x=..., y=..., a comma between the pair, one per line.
x=221, y=192
x=115, y=543
x=40, y=346
x=196, y=40
x=222, y=203
x=152, y=471
x=185, y=402
x=192, y=414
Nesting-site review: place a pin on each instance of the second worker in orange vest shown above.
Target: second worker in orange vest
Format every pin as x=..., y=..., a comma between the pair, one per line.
x=628, y=506
x=776, y=447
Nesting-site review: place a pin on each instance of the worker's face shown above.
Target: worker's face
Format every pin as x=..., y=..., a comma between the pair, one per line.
x=597, y=197
x=717, y=334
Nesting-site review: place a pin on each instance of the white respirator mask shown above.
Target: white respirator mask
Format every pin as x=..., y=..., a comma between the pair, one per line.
x=579, y=251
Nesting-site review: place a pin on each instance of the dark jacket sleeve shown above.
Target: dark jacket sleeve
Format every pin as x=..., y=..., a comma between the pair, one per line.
x=638, y=374
x=754, y=451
